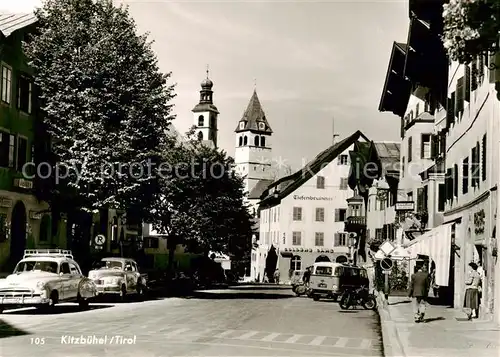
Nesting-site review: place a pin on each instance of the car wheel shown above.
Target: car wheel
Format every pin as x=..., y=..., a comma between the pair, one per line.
x=141, y=291
x=53, y=300
x=316, y=297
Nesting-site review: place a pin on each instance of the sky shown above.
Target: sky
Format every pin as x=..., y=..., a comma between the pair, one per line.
x=313, y=63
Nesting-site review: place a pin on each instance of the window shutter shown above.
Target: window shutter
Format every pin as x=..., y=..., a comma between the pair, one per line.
x=337, y=239
x=483, y=161
x=467, y=84
x=450, y=110
x=459, y=99
x=473, y=166
x=465, y=176
x=473, y=76
x=337, y=215
x=441, y=197
x=410, y=149
x=422, y=137
x=434, y=146
x=478, y=163
x=455, y=180
x=448, y=184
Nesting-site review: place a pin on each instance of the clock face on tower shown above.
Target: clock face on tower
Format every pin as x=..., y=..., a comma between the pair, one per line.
x=242, y=125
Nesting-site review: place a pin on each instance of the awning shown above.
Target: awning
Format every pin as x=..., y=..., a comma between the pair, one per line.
x=436, y=244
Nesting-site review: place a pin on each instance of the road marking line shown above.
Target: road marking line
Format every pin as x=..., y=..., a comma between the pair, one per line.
x=342, y=342
x=224, y=334
x=317, y=340
x=293, y=339
x=247, y=335
x=176, y=332
x=366, y=344
x=270, y=337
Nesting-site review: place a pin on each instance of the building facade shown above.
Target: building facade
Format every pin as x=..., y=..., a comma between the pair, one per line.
x=23, y=223
x=302, y=215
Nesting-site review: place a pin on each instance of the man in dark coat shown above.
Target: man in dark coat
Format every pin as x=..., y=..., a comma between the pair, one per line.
x=419, y=289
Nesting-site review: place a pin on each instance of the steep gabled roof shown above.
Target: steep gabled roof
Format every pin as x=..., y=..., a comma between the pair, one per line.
x=10, y=23
x=259, y=189
x=289, y=184
x=253, y=115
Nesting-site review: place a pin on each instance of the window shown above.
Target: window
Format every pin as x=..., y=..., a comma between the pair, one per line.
x=409, y=149
x=422, y=198
x=201, y=120
x=319, y=239
x=262, y=126
x=459, y=99
x=449, y=184
x=343, y=183
x=483, y=159
x=5, y=141
x=6, y=84
x=403, y=167
x=473, y=76
x=417, y=110
x=296, y=238
x=455, y=180
x=263, y=141
x=200, y=136
x=474, y=165
x=325, y=271
x=245, y=140
x=465, y=176
x=151, y=242
x=343, y=160
x=65, y=268
x=467, y=84
x=425, y=149
x=12, y=150
x=297, y=213
x=340, y=214
x=256, y=141
x=24, y=88
x=441, y=197
x=240, y=141
x=242, y=125
x=73, y=269
x=22, y=152
x=320, y=182
x=295, y=263
x=320, y=214
x=340, y=240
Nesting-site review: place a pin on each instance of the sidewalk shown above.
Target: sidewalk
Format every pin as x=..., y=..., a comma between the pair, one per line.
x=444, y=333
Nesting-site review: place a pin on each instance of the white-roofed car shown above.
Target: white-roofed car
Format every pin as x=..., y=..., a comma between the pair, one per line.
x=44, y=278
x=118, y=276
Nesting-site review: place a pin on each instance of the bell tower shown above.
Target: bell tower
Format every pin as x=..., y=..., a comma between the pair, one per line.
x=253, y=154
x=205, y=114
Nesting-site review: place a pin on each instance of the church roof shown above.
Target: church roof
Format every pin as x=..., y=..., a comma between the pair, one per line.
x=205, y=107
x=259, y=188
x=289, y=184
x=253, y=116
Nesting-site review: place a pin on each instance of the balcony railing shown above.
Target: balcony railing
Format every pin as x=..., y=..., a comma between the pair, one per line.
x=355, y=223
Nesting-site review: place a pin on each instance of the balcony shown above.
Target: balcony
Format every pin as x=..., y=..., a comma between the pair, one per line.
x=355, y=224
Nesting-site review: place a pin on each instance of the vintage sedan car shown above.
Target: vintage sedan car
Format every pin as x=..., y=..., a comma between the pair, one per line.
x=118, y=276
x=44, y=278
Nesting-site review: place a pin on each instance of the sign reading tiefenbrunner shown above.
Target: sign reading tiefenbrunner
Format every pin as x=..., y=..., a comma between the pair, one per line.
x=312, y=198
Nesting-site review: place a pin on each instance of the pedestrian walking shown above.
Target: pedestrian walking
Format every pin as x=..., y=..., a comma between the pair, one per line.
x=419, y=290
x=277, y=276
x=472, y=289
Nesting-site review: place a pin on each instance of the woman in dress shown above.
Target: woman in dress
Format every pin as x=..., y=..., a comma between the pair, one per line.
x=471, y=301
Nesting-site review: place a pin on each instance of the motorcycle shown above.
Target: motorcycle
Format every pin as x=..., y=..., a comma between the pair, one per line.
x=358, y=297
x=301, y=289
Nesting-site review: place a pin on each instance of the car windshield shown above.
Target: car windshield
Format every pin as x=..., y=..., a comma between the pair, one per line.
x=36, y=265
x=108, y=264
x=324, y=271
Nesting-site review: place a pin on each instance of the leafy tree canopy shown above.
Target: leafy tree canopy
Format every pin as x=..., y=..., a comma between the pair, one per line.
x=202, y=201
x=104, y=104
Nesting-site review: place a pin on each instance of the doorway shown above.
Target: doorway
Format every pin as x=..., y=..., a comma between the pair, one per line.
x=322, y=258
x=18, y=232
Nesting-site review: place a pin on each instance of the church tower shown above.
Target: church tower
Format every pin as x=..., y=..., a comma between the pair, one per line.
x=205, y=115
x=253, y=154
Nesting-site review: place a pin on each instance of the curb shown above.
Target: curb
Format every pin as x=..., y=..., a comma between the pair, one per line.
x=390, y=338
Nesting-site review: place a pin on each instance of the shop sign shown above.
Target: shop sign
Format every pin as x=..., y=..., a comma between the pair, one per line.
x=312, y=198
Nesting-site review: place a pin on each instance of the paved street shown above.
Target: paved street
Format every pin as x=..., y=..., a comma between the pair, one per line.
x=256, y=321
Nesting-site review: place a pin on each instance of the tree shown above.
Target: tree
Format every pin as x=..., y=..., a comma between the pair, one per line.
x=201, y=205
x=471, y=27
x=104, y=106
